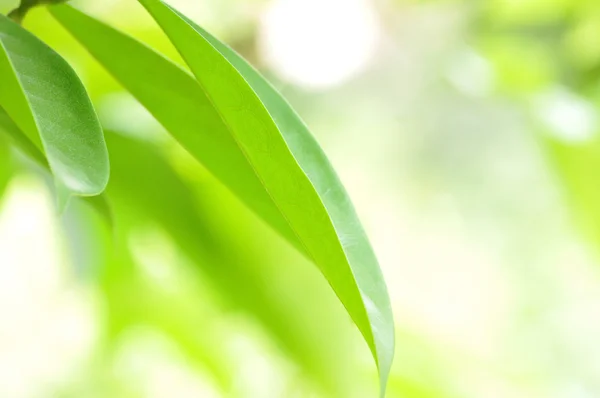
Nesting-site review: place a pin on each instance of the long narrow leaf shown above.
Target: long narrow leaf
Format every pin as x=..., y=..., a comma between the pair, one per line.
x=276, y=169
x=44, y=97
x=294, y=171
x=176, y=100
x=314, y=163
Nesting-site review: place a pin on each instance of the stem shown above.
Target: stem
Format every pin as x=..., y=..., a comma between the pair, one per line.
x=18, y=14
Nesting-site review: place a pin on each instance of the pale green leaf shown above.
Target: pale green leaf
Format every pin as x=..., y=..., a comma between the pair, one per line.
x=44, y=97
x=576, y=164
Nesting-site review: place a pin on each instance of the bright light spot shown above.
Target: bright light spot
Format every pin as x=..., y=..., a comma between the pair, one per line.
x=29, y=257
x=154, y=364
x=260, y=371
x=319, y=43
x=470, y=73
x=566, y=115
x=47, y=324
x=575, y=391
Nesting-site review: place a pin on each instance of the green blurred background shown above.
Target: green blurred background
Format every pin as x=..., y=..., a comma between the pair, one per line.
x=467, y=135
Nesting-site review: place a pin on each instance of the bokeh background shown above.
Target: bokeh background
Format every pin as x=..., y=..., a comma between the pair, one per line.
x=466, y=133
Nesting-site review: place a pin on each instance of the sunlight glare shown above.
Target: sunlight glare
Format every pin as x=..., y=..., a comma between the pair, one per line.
x=319, y=43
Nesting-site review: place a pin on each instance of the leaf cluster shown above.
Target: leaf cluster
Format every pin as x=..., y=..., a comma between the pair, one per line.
x=227, y=117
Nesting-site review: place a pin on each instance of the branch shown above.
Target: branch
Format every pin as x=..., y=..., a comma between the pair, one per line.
x=19, y=13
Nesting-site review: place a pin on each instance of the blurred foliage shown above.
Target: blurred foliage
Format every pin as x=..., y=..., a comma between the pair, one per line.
x=468, y=143
x=536, y=47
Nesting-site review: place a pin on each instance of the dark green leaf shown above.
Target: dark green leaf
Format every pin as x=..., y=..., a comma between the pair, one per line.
x=44, y=97
x=19, y=140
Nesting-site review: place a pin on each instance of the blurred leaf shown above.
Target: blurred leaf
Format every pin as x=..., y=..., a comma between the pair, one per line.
x=530, y=11
x=132, y=301
x=576, y=164
x=5, y=165
x=20, y=12
x=47, y=101
x=521, y=65
x=145, y=187
x=406, y=388
x=224, y=124
x=582, y=42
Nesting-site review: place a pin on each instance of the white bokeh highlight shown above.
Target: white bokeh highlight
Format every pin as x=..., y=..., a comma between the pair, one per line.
x=319, y=43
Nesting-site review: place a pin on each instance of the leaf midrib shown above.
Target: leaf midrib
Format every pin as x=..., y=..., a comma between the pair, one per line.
x=309, y=253
x=245, y=154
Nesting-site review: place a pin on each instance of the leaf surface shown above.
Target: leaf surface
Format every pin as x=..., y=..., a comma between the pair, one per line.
x=295, y=172
x=241, y=129
x=15, y=137
x=46, y=100
x=178, y=102
x=18, y=139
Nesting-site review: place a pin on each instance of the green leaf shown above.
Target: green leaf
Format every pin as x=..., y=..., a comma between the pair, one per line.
x=576, y=165
x=47, y=101
x=20, y=12
x=178, y=102
x=247, y=136
x=19, y=140
x=295, y=172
